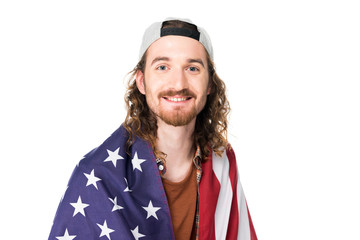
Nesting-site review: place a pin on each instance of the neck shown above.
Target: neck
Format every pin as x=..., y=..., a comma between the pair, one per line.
x=178, y=145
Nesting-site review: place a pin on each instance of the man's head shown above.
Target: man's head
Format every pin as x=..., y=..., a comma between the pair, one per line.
x=175, y=82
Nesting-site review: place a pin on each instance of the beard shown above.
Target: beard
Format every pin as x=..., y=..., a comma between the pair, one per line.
x=177, y=116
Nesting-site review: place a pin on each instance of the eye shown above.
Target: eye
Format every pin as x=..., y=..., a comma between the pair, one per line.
x=162, y=67
x=193, y=69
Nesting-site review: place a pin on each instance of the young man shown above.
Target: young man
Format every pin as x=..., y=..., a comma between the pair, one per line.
x=168, y=172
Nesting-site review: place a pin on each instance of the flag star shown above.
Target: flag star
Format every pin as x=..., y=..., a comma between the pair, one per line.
x=66, y=236
x=136, y=233
x=127, y=186
x=79, y=207
x=92, y=179
x=116, y=207
x=151, y=210
x=113, y=156
x=105, y=231
x=136, y=162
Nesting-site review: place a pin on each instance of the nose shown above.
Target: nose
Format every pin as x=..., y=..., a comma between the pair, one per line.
x=179, y=80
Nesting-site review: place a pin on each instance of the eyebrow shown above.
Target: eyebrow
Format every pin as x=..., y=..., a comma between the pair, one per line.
x=157, y=59
x=190, y=60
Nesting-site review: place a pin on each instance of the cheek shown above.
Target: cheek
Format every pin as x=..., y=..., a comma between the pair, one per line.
x=202, y=97
x=203, y=88
x=151, y=92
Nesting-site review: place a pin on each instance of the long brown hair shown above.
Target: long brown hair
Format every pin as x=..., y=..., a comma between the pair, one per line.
x=211, y=123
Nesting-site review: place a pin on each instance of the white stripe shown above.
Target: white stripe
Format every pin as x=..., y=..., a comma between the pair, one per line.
x=244, y=226
x=222, y=212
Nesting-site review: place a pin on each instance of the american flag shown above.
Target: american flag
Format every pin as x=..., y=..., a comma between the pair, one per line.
x=117, y=193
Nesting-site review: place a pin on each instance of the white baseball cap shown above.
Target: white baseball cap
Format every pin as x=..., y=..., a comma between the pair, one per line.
x=155, y=31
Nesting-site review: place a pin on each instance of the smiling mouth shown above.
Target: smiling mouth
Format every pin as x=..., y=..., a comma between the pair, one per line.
x=177, y=99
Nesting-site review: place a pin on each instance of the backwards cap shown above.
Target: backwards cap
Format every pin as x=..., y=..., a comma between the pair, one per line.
x=155, y=31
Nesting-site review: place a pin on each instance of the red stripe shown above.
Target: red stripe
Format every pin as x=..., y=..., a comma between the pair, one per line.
x=233, y=225
x=252, y=229
x=208, y=195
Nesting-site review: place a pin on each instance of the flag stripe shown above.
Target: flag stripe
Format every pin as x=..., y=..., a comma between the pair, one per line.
x=244, y=229
x=252, y=229
x=232, y=230
x=208, y=194
x=222, y=213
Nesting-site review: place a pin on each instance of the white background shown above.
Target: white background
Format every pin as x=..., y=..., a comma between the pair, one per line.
x=292, y=69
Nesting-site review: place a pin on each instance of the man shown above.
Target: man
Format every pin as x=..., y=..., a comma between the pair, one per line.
x=168, y=172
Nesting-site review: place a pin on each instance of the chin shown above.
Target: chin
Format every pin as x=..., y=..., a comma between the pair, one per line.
x=178, y=119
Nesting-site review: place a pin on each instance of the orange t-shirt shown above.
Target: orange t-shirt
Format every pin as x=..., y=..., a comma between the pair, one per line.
x=181, y=197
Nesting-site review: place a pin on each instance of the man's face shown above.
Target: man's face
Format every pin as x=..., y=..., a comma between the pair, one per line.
x=176, y=79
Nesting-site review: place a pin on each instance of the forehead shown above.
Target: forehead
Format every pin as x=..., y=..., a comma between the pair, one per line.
x=176, y=47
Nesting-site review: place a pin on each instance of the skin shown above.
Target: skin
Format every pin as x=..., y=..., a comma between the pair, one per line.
x=176, y=84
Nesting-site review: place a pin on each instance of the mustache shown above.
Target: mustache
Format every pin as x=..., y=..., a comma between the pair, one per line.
x=171, y=93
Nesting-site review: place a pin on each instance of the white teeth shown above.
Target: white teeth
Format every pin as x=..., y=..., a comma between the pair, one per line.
x=176, y=99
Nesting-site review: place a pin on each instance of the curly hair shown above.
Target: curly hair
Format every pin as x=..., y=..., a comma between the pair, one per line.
x=211, y=123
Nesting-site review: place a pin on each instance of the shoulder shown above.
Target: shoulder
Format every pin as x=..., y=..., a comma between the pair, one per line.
x=113, y=145
x=221, y=164
x=230, y=153
x=227, y=154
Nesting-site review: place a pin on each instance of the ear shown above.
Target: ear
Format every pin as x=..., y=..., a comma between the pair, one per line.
x=140, y=81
